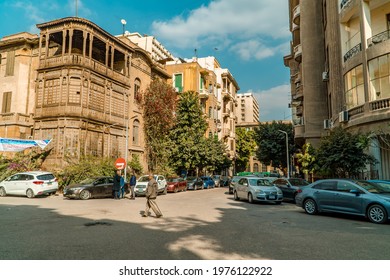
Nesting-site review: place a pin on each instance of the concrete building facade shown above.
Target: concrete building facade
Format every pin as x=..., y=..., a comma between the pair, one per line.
x=348, y=42
x=248, y=110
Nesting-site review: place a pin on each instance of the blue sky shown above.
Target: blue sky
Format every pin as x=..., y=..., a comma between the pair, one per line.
x=251, y=36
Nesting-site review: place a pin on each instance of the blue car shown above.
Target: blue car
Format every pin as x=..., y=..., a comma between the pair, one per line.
x=355, y=197
x=208, y=182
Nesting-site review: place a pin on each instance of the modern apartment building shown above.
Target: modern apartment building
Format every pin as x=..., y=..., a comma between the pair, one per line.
x=345, y=45
x=79, y=83
x=151, y=45
x=227, y=88
x=247, y=108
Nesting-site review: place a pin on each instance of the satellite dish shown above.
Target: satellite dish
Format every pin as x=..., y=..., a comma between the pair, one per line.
x=123, y=21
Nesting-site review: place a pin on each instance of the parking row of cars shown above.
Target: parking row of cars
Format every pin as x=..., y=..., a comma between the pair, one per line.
x=37, y=183
x=367, y=198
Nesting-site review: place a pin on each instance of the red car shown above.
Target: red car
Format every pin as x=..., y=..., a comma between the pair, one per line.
x=176, y=184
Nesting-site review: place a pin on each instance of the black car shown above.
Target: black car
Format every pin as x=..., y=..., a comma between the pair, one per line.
x=98, y=187
x=290, y=187
x=224, y=181
x=194, y=183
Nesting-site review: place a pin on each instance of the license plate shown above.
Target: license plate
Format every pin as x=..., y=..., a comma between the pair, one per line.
x=271, y=197
x=49, y=183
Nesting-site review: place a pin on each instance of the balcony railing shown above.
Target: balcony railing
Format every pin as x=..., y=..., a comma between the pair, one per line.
x=296, y=14
x=352, y=52
x=378, y=38
x=380, y=104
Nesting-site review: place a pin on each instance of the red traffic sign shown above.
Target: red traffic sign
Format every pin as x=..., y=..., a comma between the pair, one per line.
x=120, y=163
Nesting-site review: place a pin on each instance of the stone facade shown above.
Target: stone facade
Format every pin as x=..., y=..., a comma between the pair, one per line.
x=82, y=90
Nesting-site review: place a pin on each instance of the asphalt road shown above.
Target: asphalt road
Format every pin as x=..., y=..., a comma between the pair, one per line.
x=199, y=225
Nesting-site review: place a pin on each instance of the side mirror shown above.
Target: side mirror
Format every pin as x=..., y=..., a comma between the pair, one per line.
x=356, y=192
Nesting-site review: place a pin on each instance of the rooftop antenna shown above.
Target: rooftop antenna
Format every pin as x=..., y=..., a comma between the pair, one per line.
x=123, y=24
x=195, y=51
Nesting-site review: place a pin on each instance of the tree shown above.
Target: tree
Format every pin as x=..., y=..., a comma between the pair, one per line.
x=135, y=164
x=307, y=159
x=187, y=135
x=245, y=147
x=271, y=143
x=342, y=154
x=159, y=105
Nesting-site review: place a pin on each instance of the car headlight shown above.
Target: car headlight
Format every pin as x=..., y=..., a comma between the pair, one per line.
x=259, y=191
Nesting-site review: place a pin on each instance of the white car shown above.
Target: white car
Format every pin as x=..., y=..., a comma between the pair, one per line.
x=142, y=182
x=253, y=188
x=30, y=184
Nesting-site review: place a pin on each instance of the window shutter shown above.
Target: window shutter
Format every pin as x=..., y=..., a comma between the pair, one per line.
x=9, y=69
x=6, y=106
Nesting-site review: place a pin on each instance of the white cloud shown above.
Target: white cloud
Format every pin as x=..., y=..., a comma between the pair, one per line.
x=223, y=22
x=273, y=103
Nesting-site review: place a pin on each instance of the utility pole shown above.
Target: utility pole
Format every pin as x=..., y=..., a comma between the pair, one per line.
x=288, y=157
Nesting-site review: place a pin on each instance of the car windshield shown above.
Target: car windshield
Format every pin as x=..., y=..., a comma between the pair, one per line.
x=373, y=187
x=190, y=179
x=236, y=179
x=46, y=177
x=298, y=182
x=143, y=179
x=260, y=182
x=87, y=181
x=173, y=180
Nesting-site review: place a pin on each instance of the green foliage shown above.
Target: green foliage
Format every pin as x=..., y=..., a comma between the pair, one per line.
x=342, y=154
x=28, y=160
x=307, y=159
x=245, y=147
x=86, y=167
x=190, y=149
x=135, y=165
x=159, y=105
x=188, y=146
x=271, y=143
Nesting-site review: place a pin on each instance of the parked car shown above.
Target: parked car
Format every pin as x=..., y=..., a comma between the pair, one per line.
x=290, y=187
x=217, y=180
x=142, y=182
x=233, y=182
x=30, y=184
x=96, y=187
x=383, y=183
x=224, y=181
x=355, y=197
x=176, y=184
x=194, y=183
x=257, y=189
x=208, y=182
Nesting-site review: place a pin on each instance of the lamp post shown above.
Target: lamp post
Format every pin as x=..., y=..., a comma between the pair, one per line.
x=123, y=25
x=288, y=158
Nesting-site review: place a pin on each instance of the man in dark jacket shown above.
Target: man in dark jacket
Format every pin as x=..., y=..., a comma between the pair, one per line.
x=117, y=184
x=133, y=182
x=151, y=195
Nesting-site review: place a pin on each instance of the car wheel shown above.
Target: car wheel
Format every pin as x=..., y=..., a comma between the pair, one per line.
x=377, y=214
x=278, y=202
x=85, y=194
x=236, y=196
x=310, y=206
x=2, y=191
x=30, y=193
x=250, y=198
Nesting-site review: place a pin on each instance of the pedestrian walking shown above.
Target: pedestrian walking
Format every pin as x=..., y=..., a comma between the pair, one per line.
x=133, y=182
x=117, y=184
x=151, y=195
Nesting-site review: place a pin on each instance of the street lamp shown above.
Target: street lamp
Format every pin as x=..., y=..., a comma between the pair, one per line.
x=288, y=158
x=123, y=24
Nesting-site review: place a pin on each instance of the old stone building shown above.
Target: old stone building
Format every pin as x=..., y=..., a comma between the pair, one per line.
x=83, y=90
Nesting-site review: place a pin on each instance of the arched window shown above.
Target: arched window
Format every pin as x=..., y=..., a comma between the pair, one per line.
x=256, y=167
x=136, y=132
x=137, y=89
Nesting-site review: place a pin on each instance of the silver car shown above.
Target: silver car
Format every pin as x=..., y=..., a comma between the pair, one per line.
x=355, y=197
x=257, y=189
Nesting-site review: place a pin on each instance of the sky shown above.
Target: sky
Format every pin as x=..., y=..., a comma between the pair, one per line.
x=248, y=37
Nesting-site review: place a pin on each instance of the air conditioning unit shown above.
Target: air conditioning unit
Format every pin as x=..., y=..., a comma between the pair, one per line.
x=343, y=116
x=325, y=76
x=328, y=124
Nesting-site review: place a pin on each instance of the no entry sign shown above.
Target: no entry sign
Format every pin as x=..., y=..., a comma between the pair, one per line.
x=120, y=163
